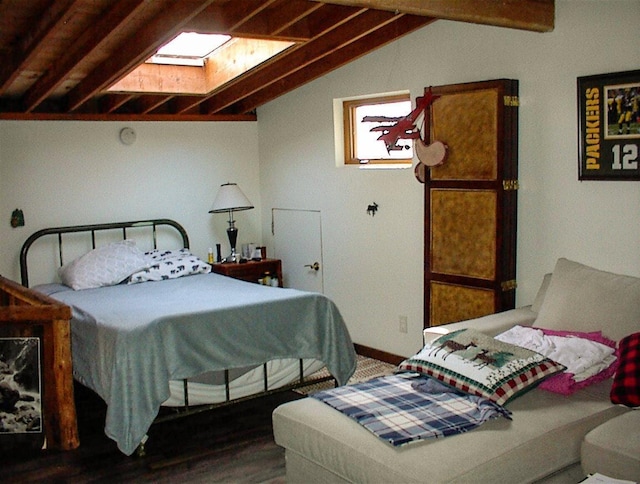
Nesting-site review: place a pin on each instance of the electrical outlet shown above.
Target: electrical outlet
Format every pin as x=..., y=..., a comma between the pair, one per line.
x=402, y=324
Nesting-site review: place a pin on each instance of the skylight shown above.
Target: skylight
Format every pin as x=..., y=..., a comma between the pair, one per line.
x=197, y=64
x=189, y=48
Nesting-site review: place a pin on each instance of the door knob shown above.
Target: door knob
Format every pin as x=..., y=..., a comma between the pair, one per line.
x=315, y=266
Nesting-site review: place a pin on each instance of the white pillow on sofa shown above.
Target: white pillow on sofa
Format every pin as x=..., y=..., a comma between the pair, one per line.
x=581, y=298
x=104, y=266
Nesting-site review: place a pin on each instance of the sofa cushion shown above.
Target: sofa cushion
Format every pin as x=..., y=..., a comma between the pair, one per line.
x=613, y=448
x=542, y=291
x=544, y=437
x=626, y=384
x=581, y=298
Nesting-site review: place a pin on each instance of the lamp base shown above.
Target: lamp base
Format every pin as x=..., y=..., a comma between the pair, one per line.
x=232, y=233
x=231, y=258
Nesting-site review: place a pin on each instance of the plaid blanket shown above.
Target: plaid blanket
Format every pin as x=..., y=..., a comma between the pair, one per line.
x=405, y=408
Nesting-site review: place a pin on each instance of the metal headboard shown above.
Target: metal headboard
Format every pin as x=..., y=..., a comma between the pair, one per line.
x=93, y=229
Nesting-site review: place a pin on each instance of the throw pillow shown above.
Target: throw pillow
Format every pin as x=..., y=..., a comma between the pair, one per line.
x=626, y=384
x=170, y=264
x=480, y=365
x=104, y=266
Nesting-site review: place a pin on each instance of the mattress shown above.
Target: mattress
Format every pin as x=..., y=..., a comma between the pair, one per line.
x=209, y=388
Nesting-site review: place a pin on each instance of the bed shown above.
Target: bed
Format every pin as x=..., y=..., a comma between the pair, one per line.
x=202, y=338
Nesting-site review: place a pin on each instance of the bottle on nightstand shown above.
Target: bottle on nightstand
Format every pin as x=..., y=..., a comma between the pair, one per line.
x=266, y=279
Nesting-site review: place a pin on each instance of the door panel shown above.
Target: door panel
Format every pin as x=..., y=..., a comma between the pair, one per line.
x=463, y=228
x=454, y=302
x=298, y=243
x=467, y=122
x=471, y=202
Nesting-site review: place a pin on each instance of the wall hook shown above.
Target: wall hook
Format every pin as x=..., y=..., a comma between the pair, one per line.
x=17, y=218
x=372, y=209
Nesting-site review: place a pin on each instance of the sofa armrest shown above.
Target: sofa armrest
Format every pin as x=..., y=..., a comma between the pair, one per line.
x=492, y=324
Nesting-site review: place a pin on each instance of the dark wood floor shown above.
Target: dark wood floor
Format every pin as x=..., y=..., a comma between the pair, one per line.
x=229, y=444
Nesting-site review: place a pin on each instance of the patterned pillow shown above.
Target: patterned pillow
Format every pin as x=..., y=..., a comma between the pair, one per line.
x=481, y=365
x=104, y=266
x=170, y=264
x=626, y=383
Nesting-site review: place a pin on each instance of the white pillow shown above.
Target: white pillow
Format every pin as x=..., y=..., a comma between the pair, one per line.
x=104, y=266
x=581, y=298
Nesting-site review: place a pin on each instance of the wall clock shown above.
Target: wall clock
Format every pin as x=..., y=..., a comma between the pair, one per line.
x=127, y=136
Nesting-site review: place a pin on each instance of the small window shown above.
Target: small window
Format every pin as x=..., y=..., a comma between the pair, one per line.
x=364, y=120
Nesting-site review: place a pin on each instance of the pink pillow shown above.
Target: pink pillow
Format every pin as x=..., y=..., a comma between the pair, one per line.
x=564, y=383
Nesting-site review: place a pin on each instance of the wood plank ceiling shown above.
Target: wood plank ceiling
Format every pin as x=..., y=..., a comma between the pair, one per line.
x=58, y=58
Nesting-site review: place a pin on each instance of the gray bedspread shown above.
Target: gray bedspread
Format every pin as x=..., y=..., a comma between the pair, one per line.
x=128, y=341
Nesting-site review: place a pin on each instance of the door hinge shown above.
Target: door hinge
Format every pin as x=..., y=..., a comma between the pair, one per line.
x=512, y=101
x=509, y=185
x=509, y=285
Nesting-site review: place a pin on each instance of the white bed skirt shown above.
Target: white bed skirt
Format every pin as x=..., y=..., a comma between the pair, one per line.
x=279, y=373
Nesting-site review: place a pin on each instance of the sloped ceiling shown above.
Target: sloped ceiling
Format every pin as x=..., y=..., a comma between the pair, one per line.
x=58, y=58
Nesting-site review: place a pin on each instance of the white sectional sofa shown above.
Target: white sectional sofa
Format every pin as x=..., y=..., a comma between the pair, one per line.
x=543, y=441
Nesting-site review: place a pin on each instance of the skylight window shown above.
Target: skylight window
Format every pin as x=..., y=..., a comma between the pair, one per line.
x=189, y=49
x=197, y=64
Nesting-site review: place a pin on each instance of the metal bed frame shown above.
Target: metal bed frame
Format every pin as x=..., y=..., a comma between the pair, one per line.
x=154, y=224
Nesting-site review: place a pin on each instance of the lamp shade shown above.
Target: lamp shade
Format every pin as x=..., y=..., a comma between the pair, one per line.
x=230, y=198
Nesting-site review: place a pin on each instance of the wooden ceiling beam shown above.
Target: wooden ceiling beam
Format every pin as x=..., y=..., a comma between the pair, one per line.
x=532, y=15
x=90, y=41
x=51, y=116
x=294, y=60
x=17, y=59
x=354, y=50
x=136, y=49
x=147, y=104
x=227, y=17
x=294, y=15
x=275, y=18
x=110, y=103
x=275, y=22
x=330, y=18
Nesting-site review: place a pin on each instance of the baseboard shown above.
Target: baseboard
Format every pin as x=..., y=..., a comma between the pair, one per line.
x=378, y=354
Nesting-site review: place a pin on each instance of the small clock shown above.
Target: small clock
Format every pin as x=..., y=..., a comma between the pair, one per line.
x=127, y=136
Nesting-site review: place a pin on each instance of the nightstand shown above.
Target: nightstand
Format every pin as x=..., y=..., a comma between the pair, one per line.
x=251, y=270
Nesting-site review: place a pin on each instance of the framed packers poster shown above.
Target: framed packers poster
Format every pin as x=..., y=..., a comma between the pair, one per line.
x=609, y=126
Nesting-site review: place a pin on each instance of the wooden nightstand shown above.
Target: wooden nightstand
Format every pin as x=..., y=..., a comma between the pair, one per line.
x=250, y=271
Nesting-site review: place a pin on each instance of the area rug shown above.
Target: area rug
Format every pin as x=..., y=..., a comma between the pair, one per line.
x=366, y=369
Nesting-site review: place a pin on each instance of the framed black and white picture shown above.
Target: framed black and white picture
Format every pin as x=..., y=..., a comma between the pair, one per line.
x=609, y=126
x=21, y=411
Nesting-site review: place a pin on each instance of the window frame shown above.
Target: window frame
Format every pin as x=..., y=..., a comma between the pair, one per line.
x=349, y=121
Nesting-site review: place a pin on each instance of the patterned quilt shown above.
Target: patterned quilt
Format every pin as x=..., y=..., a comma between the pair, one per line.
x=405, y=408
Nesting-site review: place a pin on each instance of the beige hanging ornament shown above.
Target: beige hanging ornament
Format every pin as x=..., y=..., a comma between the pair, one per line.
x=431, y=155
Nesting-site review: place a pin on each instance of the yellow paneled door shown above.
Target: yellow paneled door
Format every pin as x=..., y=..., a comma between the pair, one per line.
x=471, y=202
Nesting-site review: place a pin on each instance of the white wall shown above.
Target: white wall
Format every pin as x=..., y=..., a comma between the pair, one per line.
x=67, y=173
x=373, y=265
x=64, y=172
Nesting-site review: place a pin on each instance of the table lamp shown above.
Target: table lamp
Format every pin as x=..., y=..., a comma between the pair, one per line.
x=231, y=199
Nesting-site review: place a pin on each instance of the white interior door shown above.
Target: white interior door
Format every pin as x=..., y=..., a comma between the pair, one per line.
x=298, y=243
